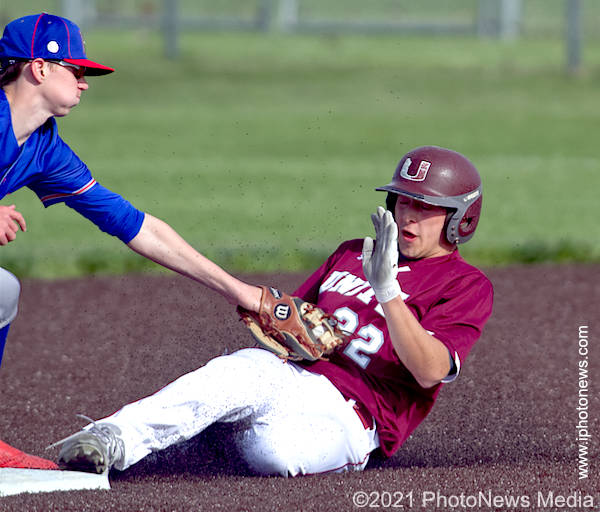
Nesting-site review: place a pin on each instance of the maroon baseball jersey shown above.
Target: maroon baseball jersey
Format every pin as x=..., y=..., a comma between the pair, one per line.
x=451, y=299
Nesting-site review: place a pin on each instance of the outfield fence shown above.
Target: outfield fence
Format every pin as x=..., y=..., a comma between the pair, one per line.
x=489, y=18
x=574, y=21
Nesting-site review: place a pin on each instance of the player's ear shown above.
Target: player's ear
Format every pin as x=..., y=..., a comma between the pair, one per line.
x=39, y=69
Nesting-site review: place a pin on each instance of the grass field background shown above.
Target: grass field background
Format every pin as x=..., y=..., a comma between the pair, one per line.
x=263, y=150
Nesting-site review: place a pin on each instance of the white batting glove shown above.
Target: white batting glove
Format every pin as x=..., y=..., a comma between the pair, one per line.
x=381, y=265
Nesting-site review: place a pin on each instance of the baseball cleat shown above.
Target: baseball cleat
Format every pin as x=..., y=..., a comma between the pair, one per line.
x=93, y=450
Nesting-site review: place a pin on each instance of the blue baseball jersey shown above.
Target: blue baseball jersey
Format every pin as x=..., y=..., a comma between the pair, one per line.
x=49, y=167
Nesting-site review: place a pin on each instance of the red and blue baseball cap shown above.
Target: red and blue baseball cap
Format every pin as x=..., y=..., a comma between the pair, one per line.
x=48, y=37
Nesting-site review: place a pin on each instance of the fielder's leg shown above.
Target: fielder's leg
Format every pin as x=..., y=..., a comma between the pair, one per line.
x=9, y=300
x=3, y=334
x=10, y=289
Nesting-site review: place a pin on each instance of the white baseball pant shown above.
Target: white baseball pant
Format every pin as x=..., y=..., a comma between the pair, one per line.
x=294, y=422
x=9, y=297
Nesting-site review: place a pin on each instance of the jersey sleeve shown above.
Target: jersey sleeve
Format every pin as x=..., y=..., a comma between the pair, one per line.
x=62, y=174
x=109, y=211
x=457, y=320
x=64, y=177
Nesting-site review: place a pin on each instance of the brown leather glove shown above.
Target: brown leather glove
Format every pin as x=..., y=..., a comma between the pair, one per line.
x=292, y=328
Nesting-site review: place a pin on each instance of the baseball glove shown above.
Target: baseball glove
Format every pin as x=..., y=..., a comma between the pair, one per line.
x=292, y=328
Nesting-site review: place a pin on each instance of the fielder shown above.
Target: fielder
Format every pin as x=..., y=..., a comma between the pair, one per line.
x=44, y=70
x=354, y=361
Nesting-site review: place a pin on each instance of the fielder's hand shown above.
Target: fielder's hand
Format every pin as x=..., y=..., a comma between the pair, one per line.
x=10, y=222
x=380, y=265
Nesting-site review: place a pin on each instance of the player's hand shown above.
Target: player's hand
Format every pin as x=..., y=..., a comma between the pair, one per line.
x=380, y=264
x=10, y=222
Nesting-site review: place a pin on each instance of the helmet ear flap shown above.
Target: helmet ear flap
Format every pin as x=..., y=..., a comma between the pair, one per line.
x=461, y=228
x=469, y=220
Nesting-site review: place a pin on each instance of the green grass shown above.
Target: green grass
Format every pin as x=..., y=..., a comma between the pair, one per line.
x=263, y=150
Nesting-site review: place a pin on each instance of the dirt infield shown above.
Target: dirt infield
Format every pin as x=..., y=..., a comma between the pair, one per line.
x=504, y=436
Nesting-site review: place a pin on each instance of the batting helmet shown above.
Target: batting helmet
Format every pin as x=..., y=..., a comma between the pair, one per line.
x=440, y=177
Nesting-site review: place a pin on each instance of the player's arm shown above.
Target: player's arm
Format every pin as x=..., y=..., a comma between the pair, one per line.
x=423, y=355
x=157, y=241
x=160, y=243
x=10, y=222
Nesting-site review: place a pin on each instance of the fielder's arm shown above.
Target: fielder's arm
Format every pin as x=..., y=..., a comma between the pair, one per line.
x=160, y=243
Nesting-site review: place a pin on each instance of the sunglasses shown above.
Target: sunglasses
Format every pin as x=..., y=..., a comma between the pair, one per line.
x=78, y=71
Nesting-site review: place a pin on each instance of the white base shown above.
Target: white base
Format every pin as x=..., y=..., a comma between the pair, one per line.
x=17, y=481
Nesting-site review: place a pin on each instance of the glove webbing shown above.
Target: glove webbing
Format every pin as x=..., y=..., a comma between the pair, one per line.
x=315, y=319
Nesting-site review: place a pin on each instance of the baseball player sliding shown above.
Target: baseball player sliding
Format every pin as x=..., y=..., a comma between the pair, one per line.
x=44, y=71
x=351, y=363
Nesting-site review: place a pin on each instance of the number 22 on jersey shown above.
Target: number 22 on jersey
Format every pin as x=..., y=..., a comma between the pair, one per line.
x=370, y=341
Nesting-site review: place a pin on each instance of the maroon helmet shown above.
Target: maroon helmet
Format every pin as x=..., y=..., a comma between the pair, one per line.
x=440, y=177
